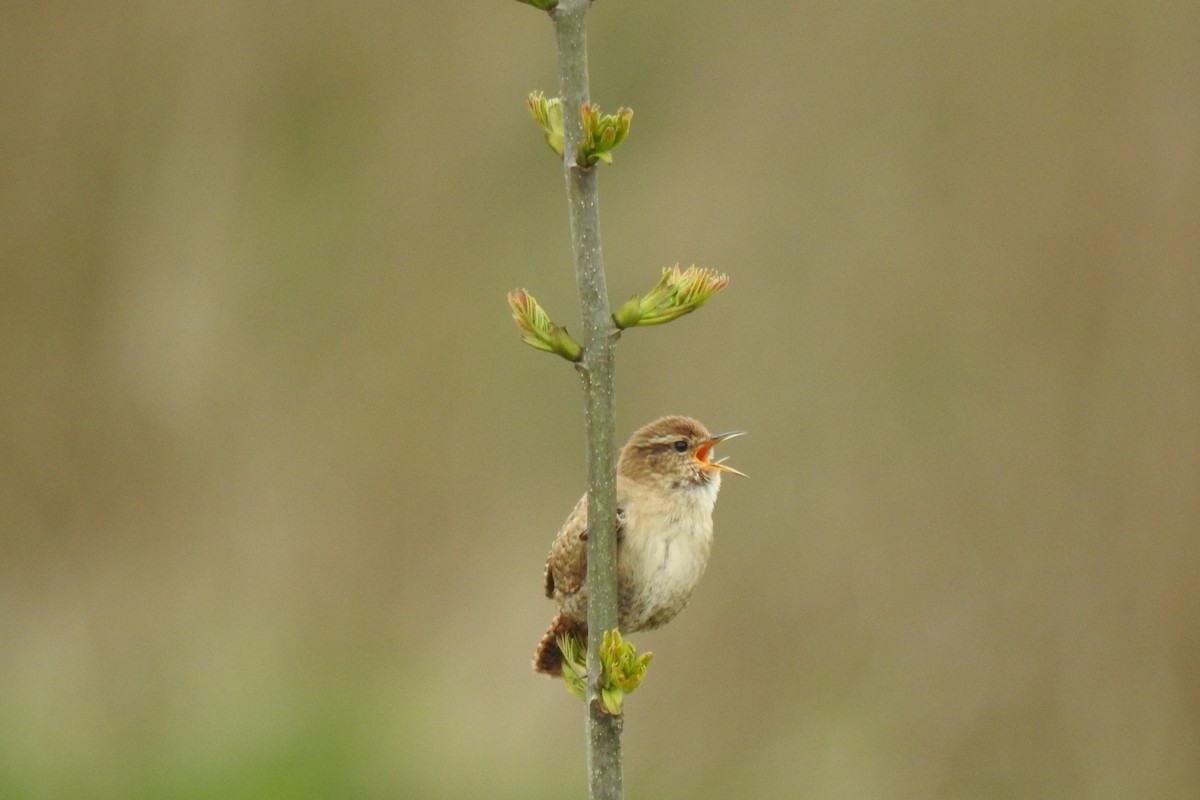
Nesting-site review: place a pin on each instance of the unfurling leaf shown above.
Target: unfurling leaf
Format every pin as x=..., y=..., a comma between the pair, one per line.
x=548, y=112
x=679, y=292
x=538, y=331
x=601, y=134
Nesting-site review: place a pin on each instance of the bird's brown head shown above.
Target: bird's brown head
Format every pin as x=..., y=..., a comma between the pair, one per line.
x=675, y=452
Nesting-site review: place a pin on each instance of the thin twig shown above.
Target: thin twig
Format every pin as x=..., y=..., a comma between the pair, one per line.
x=597, y=371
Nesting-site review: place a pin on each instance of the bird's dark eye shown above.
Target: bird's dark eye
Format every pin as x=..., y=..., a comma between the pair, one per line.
x=681, y=446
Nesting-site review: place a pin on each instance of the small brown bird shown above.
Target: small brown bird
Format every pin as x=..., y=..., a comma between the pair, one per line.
x=667, y=486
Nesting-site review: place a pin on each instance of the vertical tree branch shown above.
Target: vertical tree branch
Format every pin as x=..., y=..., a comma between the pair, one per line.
x=597, y=371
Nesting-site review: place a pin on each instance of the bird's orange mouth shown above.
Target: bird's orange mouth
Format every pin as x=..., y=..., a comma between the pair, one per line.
x=705, y=451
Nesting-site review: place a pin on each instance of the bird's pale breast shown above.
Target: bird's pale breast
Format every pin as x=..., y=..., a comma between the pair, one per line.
x=664, y=551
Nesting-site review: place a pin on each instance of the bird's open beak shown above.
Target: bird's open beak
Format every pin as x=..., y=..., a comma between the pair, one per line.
x=705, y=450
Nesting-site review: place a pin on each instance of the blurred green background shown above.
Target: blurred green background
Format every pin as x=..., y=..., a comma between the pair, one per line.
x=278, y=478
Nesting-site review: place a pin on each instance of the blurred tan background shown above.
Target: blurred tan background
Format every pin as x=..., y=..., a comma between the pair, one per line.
x=278, y=478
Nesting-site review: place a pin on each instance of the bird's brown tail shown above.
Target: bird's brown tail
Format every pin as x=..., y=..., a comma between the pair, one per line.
x=549, y=658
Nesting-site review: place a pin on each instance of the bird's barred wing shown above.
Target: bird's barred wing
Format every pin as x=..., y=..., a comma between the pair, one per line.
x=566, y=567
x=567, y=562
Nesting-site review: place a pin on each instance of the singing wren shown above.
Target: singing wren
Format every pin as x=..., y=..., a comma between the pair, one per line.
x=667, y=483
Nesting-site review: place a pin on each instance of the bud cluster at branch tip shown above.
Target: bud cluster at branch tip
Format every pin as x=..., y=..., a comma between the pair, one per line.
x=538, y=331
x=621, y=669
x=679, y=292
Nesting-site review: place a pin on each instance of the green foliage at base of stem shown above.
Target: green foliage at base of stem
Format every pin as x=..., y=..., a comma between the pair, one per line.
x=621, y=669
